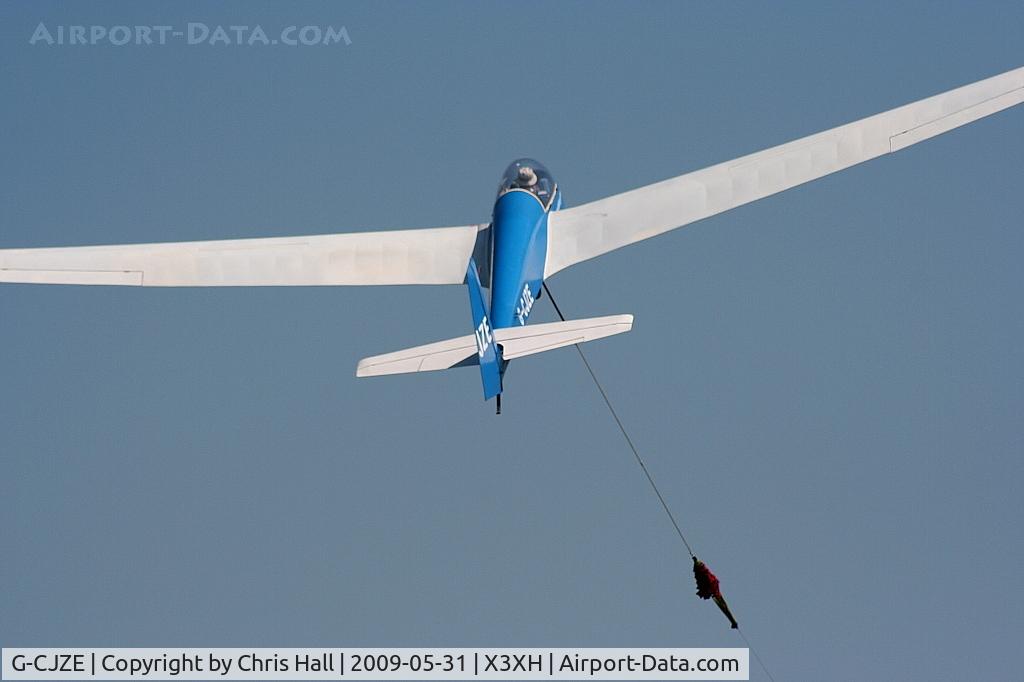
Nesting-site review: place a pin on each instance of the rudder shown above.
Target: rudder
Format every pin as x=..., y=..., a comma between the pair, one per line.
x=486, y=348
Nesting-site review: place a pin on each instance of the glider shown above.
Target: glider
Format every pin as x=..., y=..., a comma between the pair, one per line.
x=529, y=238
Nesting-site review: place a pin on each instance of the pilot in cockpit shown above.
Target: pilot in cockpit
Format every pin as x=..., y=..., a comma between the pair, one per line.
x=527, y=179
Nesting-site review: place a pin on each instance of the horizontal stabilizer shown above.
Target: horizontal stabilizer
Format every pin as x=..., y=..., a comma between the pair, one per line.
x=518, y=342
x=515, y=342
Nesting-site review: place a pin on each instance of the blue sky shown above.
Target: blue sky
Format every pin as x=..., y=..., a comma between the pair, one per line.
x=826, y=383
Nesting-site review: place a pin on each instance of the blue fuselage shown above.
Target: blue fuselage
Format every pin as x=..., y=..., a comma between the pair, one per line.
x=520, y=226
x=519, y=243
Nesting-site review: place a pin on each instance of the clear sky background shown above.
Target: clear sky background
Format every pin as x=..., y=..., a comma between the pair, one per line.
x=827, y=384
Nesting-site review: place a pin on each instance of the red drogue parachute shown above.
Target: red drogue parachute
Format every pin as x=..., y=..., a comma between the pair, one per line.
x=707, y=588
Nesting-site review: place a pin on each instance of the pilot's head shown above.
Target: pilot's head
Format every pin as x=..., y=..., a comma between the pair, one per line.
x=527, y=178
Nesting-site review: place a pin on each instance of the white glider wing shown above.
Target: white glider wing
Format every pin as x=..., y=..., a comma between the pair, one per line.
x=583, y=232
x=430, y=256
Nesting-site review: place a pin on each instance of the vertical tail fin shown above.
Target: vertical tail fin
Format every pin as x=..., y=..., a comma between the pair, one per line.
x=486, y=348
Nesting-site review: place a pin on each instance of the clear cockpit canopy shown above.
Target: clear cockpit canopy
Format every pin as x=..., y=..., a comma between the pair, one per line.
x=529, y=175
